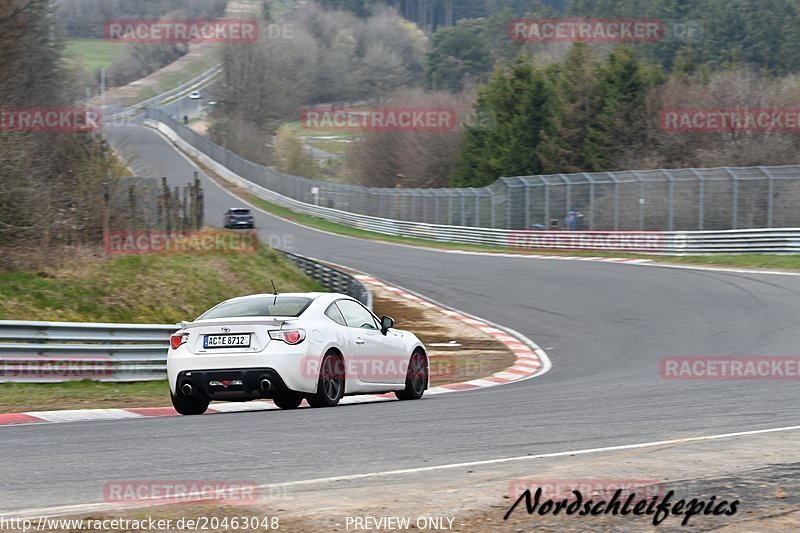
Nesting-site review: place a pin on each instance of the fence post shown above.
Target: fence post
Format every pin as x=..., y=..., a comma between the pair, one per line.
x=508, y=206
x=701, y=200
x=546, y=204
x=568, y=195
x=771, y=196
x=527, y=204
x=671, y=206
x=493, y=209
x=735, y=195
x=641, y=200
x=616, y=199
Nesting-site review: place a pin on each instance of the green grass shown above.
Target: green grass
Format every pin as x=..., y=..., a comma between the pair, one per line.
x=191, y=70
x=159, y=288
x=21, y=397
x=93, y=54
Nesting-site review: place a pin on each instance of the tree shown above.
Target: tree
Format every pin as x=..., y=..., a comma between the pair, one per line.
x=516, y=101
x=621, y=121
x=573, y=109
x=291, y=155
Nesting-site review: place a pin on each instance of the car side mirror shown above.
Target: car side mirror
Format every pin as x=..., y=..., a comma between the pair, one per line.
x=387, y=323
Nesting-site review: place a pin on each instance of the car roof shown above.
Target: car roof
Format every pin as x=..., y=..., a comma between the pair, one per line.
x=312, y=295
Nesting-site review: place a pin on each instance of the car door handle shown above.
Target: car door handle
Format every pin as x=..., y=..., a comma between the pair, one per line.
x=360, y=341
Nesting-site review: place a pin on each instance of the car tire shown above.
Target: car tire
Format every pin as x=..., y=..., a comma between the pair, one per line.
x=189, y=405
x=330, y=386
x=288, y=400
x=416, y=377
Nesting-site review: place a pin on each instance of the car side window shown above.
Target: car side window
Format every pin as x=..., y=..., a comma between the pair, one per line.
x=356, y=315
x=334, y=314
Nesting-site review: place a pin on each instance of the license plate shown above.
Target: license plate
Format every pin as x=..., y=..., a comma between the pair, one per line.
x=226, y=341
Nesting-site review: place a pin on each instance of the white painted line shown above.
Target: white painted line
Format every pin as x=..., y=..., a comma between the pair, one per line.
x=84, y=508
x=723, y=269
x=236, y=407
x=74, y=415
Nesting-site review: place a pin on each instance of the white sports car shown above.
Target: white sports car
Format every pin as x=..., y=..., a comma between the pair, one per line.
x=287, y=347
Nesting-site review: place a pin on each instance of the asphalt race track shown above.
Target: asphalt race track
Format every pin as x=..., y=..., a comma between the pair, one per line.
x=604, y=326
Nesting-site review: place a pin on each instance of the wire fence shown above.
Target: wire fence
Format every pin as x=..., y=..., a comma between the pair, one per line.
x=647, y=200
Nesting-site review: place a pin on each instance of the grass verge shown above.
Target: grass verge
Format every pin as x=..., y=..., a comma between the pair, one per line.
x=159, y=288
x=22, y=397
x=93, y=54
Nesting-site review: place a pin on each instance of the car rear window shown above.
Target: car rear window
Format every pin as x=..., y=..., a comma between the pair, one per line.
x=240, y=211
x=288, y=306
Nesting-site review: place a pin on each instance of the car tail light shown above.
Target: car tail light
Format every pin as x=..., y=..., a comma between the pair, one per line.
x=289, y=336
x=176, y=340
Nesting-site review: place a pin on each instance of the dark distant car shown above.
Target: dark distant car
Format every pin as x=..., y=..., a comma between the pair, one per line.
x=238, y=217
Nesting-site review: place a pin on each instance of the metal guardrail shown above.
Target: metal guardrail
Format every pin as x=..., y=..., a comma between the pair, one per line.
x=66, y=351
x=782, y=240
x=49, y=352
x=332, y=279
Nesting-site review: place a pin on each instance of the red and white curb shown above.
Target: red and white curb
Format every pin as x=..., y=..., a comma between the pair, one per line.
x=531, y=361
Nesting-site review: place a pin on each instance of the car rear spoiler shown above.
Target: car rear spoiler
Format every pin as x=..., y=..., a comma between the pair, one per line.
x=238, y=321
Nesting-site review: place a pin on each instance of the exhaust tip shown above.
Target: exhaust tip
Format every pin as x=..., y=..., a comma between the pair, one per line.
x=266, y=384
x=187, y=389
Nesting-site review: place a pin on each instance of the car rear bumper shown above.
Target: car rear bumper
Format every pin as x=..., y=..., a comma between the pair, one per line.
x=247, y=225
x=235, y=384
x=289, y=367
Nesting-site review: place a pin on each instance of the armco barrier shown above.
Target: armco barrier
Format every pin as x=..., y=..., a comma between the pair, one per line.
x=781, y=240
x=49, y=352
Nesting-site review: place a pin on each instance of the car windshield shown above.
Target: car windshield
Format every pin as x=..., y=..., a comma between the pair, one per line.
x=286, y=306
x=240, y=211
